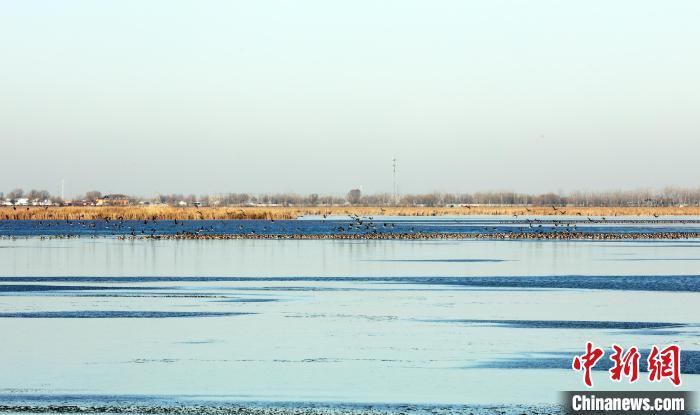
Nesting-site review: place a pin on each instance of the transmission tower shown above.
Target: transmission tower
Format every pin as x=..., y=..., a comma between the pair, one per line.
x=396, y=190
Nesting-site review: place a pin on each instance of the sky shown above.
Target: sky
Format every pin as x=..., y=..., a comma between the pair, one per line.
x=148, y=97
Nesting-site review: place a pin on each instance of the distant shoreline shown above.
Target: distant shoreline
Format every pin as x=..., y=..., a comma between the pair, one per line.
x=280, y=212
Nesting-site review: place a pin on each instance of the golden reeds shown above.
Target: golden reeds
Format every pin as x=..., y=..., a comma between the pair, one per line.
x=189, y=213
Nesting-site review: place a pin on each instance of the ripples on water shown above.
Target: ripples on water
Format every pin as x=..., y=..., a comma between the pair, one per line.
x=688, y=283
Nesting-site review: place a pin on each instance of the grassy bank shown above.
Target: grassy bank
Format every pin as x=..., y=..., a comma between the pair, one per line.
x=188, y=213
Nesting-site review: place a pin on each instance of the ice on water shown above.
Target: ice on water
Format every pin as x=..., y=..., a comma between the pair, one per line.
x=340, y=321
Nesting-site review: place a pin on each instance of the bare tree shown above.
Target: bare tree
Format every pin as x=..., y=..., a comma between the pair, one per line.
x=38, y=195
x=313, y=199
x=93, y=195
x=354, y=196
x=14, y=195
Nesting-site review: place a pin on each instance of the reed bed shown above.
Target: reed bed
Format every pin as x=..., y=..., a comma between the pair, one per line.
x=236, y=213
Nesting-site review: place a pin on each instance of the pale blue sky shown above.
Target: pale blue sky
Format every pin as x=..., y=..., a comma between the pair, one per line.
x=317, y=96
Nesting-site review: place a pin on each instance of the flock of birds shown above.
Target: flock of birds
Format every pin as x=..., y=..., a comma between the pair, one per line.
x=355, y=227
x=432, y=236
x=363, y=225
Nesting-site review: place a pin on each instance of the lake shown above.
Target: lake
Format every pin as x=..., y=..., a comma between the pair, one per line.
x=344, y=322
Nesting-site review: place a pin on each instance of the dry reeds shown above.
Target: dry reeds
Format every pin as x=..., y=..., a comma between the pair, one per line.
x=233, y=213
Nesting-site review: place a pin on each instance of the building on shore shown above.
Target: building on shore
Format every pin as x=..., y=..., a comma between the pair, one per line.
x=113, y=200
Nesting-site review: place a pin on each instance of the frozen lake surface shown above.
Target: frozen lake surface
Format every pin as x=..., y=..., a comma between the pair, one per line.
x=354, y=322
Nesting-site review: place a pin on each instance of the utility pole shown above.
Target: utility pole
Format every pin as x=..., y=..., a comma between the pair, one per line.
x=396, y=193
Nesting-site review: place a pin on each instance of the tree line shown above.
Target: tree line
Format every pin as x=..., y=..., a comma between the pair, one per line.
x=670, y=196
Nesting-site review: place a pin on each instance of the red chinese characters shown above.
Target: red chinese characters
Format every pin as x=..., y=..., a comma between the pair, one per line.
x=587, y=361
x=626, y=364
x=665, y=364
x=661, y=364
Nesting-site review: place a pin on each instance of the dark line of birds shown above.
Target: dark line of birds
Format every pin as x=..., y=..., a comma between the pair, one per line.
x=432, y=236
x=394, y=236
x=358, y=226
